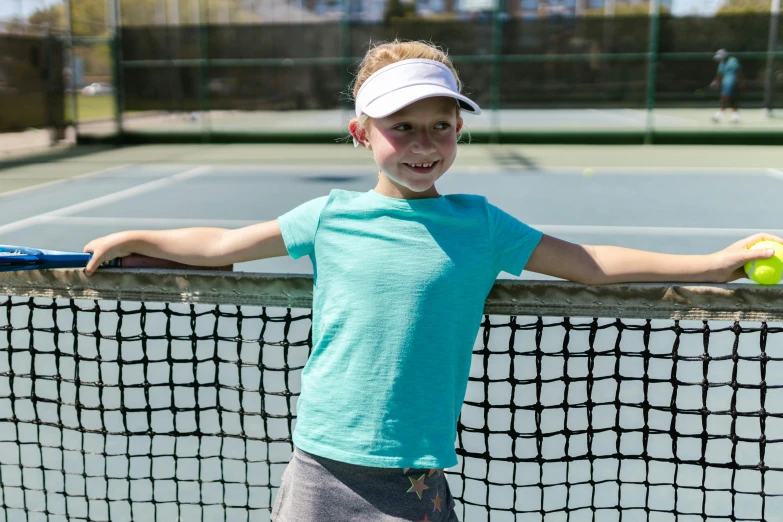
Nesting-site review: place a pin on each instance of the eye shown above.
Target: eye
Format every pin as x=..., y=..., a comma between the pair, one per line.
x=443, y=125
x=402, y=127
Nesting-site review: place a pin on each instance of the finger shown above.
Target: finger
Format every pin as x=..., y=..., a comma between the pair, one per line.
x=772, y=237
x=765, y=236
x=755, y=254
x=755, y=238
x=93, y=264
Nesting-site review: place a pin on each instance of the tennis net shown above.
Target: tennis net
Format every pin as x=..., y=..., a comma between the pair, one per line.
x=144, y=395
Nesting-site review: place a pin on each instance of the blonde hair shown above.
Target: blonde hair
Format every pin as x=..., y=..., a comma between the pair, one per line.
x=381, y=55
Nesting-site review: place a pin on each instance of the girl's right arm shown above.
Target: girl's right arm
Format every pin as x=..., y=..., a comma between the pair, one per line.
x=599, y=265
x=191, y=246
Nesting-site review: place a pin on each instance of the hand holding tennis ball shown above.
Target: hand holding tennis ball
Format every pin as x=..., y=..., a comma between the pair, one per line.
x=766, y=271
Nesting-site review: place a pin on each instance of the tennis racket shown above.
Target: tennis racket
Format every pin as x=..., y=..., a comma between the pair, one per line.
x=13, y=258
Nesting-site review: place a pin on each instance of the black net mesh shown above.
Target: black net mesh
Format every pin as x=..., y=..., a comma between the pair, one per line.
x=616, y=419
x=32, y=85
x=144, y=412
x=150, y=409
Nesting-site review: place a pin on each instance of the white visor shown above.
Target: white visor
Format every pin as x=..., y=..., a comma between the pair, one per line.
x=402, y=83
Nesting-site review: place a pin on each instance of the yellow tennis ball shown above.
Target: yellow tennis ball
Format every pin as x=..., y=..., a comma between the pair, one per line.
x=588, y=172
x=766, y=271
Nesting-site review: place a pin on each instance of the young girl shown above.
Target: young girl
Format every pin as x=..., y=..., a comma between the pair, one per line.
x=401, y=275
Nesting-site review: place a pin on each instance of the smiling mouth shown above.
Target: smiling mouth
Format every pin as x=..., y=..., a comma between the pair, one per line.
x=422, y=168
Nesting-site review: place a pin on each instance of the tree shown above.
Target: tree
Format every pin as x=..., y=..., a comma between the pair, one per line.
x=145, y=12
x=52, y=16
x=90, y=16
x=627, y=10
x=396, y=9
x=744, y=6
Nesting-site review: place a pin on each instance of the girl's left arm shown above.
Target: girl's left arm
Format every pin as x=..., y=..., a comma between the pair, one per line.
x=597, y=265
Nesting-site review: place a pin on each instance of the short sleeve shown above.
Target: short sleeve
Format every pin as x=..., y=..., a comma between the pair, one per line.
x=512, y=241
x=298, y=227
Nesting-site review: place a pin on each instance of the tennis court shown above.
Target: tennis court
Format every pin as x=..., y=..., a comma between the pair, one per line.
x=672, y=199
x=180, y=411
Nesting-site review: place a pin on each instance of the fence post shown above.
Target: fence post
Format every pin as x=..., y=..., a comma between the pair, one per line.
x=345, y=52
x=116, y=44
x=652, y=69
x=204, y=98
x=74, y=100
x=201, y=18
x=769, y=84
x=48, y=64
x=497, y=71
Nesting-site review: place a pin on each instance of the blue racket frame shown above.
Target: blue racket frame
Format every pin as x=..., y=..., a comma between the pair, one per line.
x=14, y=258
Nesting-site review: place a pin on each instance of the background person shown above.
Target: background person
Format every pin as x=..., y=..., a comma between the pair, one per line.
x=729, y=80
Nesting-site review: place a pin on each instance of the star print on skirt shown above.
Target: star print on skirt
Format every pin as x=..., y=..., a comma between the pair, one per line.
x=319, y=489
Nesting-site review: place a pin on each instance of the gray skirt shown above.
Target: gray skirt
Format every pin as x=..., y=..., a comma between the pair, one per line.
x=323, y=490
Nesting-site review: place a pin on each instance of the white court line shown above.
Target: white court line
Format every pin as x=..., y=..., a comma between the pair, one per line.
x=553, y=229
x=690, y=170
x=775, y=173
x=149, y=222
x=613, y=171
x=314, y=171
x=652, y=231
x=657, y=115
x=621, y=117
x=64, y=180
x=249, y=170
x=104, y=200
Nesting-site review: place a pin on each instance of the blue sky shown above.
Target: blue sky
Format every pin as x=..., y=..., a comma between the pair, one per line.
x=11, y=8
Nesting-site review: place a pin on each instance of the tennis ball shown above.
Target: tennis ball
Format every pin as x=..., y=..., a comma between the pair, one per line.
x=588, y=172
x=766, y=271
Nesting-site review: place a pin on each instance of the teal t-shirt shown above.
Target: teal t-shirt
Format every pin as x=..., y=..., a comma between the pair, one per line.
x=729, y=69
x=398, y=297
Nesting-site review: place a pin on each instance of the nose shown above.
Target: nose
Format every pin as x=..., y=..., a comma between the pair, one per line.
x=423, y=143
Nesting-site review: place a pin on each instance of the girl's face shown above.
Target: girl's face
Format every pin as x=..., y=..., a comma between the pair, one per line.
x=413, y=147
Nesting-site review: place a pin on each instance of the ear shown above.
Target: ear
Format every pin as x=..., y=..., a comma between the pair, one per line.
x=359, y=133
x=459, y=125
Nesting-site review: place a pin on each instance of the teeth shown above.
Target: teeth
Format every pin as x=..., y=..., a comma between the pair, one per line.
x=421, y=165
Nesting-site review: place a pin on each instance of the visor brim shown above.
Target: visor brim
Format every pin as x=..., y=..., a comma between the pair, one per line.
x=394, y=101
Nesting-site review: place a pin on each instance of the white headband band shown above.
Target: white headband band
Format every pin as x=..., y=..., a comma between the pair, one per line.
x=402, y=83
